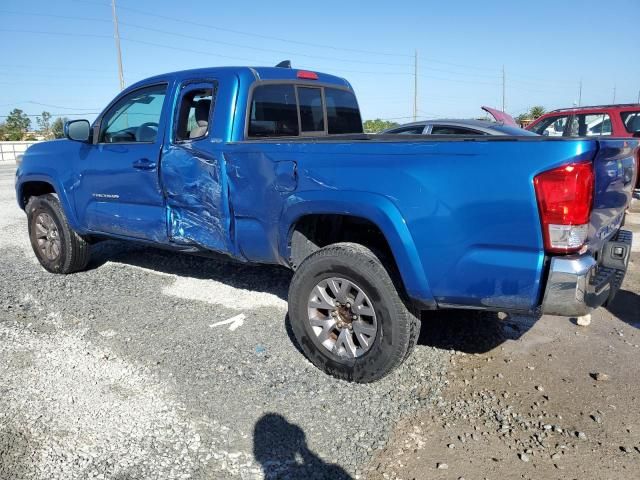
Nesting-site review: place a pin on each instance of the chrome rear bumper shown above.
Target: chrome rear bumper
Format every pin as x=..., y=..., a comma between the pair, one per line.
x=578, y=283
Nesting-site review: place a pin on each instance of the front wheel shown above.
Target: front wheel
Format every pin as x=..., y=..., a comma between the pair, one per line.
x=347, y=314
x=58, y=248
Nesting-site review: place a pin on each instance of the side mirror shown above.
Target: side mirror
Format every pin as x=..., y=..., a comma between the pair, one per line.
x=77, y=130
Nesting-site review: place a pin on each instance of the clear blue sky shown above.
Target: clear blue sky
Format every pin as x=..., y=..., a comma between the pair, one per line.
x=61, y=54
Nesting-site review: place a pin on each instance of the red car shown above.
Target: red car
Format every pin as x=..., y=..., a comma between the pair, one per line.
x=611, y=120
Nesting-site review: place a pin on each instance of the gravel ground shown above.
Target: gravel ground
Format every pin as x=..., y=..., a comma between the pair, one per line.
x=118, y=373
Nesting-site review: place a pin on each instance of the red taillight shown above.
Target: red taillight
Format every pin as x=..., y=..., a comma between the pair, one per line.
x=564, y=198
x=306, y=75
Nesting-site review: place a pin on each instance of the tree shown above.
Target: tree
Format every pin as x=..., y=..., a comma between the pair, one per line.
x=378, y=125
x=44, y=124
x=532, y=114
x=3, y=131
x=57, y=128
x=536, y=112
x=16, y=125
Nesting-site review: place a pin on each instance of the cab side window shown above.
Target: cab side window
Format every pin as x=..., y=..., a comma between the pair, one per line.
x=194, y=114
x=135, y=117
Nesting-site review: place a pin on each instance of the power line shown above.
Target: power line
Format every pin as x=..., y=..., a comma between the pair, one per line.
x=55, y=114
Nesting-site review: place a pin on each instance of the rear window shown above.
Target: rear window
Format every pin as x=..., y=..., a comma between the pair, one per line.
x=311, y=109
x=513, y=131
x=631, y=121
x=274, y=112
x=452, y=130
x=343, y=114
x=279, y=110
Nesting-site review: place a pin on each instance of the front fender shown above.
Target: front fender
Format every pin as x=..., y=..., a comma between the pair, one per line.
x=22, y=178
x=374, y=208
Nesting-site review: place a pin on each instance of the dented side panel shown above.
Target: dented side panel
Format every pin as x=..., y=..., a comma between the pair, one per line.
x=196, y=196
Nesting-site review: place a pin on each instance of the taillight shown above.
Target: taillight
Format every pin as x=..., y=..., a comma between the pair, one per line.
x=564, y=198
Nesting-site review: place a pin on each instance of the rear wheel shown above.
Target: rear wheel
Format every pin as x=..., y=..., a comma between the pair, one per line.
x=347, y=314
x=58, y=248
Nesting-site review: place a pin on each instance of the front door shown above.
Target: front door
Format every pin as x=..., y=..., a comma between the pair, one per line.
x=119, y=187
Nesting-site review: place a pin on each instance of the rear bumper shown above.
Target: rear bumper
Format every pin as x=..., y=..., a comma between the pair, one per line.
x=579, y=283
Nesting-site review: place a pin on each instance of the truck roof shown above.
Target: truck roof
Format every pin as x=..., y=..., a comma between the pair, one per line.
x=258, y=73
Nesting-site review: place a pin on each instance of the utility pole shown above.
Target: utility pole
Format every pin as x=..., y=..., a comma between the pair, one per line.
x=614, y=94
x=117, y=37
x=415, y=87
x=503, y=88
x=580, y=94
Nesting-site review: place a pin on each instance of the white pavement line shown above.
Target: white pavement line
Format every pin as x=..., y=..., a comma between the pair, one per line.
x=233, y=322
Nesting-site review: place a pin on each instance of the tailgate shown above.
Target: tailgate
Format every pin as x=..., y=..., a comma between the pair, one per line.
x=615, y=173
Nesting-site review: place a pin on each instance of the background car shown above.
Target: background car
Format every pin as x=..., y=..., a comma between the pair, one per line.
x=457, y=127
x=622, y=120
x=612, y=120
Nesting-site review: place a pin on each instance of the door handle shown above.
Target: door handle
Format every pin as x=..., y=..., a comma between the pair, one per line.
x=144, y=164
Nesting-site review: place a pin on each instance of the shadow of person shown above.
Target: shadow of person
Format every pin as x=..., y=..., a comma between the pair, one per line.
x=281, y=448
x=626, y=306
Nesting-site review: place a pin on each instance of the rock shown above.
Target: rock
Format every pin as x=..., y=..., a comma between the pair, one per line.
x=584, y=321
x=596, y=418
x=599, y=376
x=442, y=466
x=540, y=388
x=581, y=435
x=524, y=457
x=555, y=456
x=451, y=445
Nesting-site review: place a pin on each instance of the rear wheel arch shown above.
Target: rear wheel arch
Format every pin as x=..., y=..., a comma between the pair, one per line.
x=375, y=214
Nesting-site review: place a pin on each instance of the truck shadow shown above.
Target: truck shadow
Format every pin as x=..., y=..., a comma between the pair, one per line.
x=271, y=279
x=626, y=306
x=471, y=331
x=281, y=449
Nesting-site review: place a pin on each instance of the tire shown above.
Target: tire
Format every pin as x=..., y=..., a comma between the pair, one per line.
x=353, y=268
x=71, y=252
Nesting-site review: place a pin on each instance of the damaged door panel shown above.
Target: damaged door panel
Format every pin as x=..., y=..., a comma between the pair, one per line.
x=192, y=173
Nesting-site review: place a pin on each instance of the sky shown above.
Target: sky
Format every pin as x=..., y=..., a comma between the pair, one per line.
x=61, y=57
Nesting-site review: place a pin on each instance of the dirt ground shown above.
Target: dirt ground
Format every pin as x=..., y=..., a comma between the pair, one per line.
x=530, y=399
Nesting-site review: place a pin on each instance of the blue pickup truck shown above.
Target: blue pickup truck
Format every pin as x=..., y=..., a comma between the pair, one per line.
x=270, y=165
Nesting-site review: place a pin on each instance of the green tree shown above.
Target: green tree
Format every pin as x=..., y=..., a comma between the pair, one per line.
x=16, y=125
x=378, y=125
x=3, y=131
x=57, y=127
x=532, y=114
x=44, y=124
x=537, y=111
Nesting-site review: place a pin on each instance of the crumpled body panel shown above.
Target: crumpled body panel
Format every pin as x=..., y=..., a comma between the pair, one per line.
x=196, y=196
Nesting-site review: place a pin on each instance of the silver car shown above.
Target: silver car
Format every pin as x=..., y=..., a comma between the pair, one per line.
x=457, y=127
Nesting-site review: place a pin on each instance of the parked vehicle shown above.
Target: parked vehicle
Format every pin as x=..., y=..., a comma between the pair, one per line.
x=621, y=120
x=504, y=124
x=270, y=165
x=457, y=127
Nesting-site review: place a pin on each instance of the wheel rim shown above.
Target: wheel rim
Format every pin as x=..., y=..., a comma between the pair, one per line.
x=47, y=236
x=342, y=317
